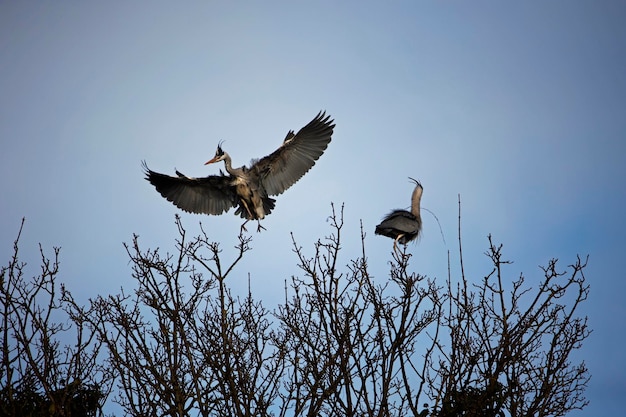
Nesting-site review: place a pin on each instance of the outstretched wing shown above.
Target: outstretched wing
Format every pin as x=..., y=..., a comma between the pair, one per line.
x=209, y=195
x=298, y=153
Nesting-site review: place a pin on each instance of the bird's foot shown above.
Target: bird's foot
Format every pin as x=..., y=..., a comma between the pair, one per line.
x=259, y=227
x=243, y=227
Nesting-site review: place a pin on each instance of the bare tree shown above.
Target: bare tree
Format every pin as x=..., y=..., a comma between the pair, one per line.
x=351, y=342
x=41, y=374
x=343, y=343
x=505, y=346
x=509, y=346
x=182, y=344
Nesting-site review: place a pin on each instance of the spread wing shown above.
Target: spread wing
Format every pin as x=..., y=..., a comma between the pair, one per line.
x=208, y=195
x=298, y=153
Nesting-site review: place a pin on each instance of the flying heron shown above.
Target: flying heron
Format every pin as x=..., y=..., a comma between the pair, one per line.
x=248, y=188
x=401, y=225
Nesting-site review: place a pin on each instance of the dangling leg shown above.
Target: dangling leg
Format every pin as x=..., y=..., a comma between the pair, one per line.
x=395, y=243
x=245, y=205
x=248, y=217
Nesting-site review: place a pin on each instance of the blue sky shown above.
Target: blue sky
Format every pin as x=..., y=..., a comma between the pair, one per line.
x=519, y=108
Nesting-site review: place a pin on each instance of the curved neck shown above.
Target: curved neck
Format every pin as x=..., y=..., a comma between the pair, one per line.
x=228, y=164
x=235, y=172
x=415, y=201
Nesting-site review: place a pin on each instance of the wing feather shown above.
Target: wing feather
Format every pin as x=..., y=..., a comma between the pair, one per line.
x=399, y=221
x=208, y=195
x=297, y=154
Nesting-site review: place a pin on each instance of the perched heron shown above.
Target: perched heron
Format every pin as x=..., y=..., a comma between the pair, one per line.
x=401, y=225
x=248, y=188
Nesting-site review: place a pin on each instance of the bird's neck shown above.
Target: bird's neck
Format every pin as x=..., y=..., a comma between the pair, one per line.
x=415, y=209
x=415, y=201
x=229, y=164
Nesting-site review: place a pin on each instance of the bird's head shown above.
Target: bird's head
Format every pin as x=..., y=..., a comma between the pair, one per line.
x=417, y=183
x=220, y=155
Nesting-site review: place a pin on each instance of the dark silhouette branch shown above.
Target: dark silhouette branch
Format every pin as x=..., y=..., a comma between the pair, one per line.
x=342, y=343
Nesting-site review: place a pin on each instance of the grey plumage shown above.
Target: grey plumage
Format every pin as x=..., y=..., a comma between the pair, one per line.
x=401, y=225
x=248, y=189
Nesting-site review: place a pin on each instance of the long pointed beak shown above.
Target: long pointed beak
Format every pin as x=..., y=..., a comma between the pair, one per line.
x=210, y=161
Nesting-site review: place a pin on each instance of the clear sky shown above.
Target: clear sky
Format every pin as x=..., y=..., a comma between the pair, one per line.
x=519, y=107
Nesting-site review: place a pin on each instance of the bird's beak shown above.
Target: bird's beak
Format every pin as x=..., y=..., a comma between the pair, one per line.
x=210, y=161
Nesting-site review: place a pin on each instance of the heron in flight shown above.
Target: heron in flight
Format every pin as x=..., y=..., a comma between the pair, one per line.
x=401, y=225
x=248, y=188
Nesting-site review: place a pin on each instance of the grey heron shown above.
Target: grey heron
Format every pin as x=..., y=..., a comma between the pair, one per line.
x=248, y=188
x=401, y=225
